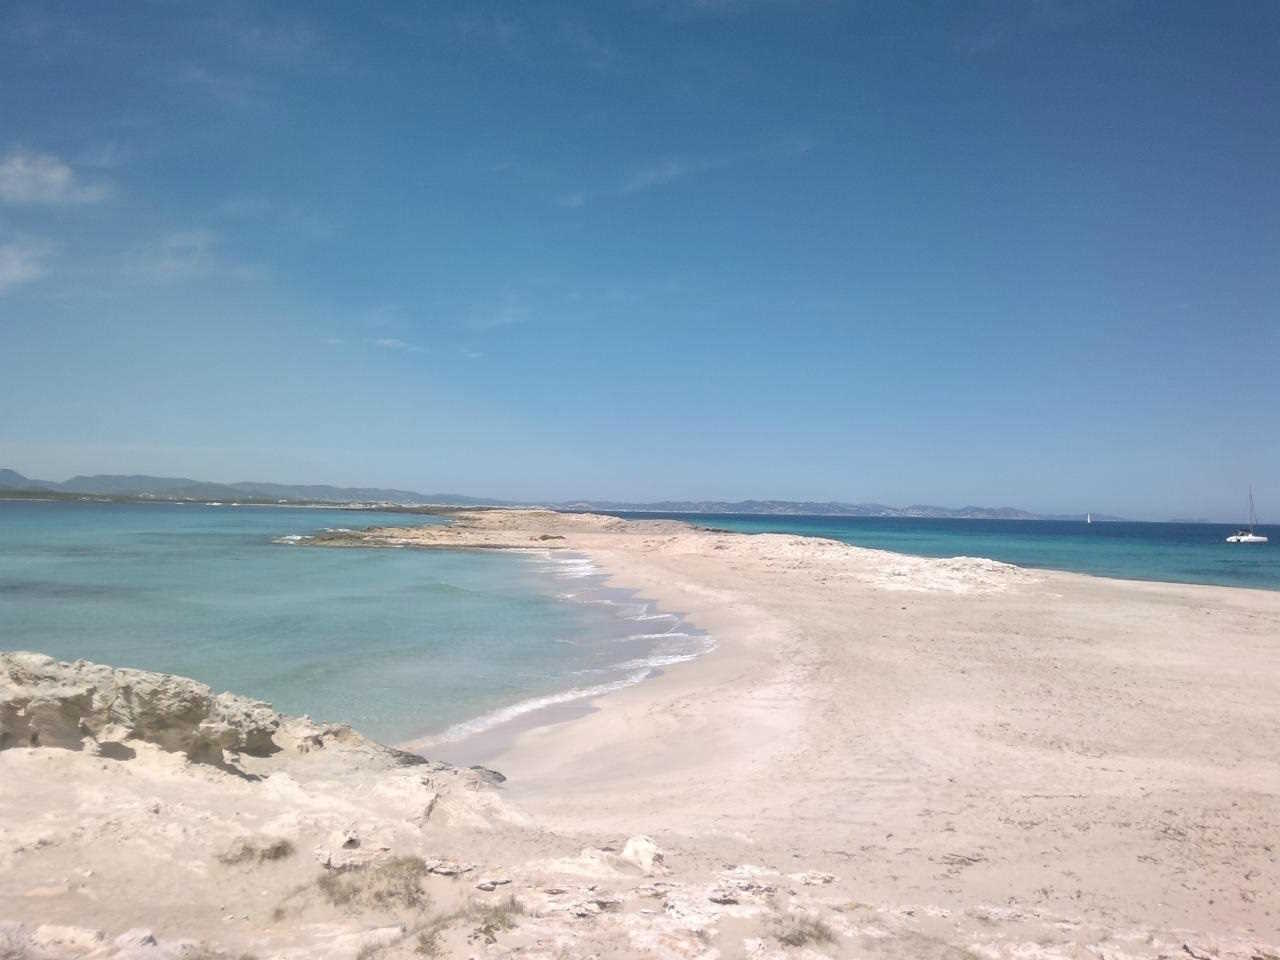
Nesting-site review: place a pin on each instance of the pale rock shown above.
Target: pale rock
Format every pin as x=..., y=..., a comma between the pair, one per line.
x=45, y=702
x=13, y=939
x=641, y=851
x=689, y=910
x=655, y=890
x=813, y=878
x=448, y=868
x=489, y=776
x=136, y=937
x=746, y=878
x=63, y=937
x=591, y=862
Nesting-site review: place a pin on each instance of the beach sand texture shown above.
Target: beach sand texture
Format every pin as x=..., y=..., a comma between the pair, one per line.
x=883, y=756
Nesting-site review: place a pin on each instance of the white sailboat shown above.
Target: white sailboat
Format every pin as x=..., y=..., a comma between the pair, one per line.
x=1088, y=518
x=1248, y=536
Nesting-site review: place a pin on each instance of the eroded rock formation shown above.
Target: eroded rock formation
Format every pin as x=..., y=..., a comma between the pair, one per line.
x=46, y=702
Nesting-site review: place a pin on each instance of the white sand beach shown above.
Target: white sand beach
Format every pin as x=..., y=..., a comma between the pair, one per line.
x=883, y=756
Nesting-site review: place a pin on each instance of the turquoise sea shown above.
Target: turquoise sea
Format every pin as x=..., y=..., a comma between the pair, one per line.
x=1176, y=552
x=402, y=644
x=434, y=645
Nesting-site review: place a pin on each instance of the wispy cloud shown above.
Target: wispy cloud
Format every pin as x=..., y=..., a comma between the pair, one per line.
x=233, y=89
x=386, y=316
x=251, y=58
x=395, y=343
x=22, y=262
x=181, y=256
x=512, y=309
x=667, y=171
x=41, y=178
x=643, y=177
x=268, y=38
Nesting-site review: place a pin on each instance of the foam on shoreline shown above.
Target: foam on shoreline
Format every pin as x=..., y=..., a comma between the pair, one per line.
x=646, y=653
x=496, y=718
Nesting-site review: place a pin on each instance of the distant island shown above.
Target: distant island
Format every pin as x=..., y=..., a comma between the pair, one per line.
x=142, y=488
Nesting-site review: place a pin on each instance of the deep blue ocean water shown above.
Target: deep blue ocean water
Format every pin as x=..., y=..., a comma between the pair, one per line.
x=1178, y=552
x=401, y=644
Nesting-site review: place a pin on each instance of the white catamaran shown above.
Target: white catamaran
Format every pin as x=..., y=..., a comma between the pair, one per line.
x=1248, y=536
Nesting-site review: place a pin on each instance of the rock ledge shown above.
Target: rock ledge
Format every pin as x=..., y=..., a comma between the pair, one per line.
x=49, y=703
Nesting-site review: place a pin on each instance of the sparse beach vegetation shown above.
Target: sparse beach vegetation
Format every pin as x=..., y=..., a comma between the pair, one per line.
x=395, y=883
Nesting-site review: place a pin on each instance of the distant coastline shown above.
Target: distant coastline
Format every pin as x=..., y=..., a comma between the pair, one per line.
x=149, y=489
x=141, y=487
x=55, y=496
x=804, y=508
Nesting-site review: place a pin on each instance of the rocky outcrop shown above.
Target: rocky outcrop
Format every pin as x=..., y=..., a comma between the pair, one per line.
x=45, y=702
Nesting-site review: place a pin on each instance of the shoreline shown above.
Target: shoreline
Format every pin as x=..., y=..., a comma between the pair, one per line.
x=493, y=743
x=1026, y=564
x=692, y=745
x=884, y=756
x=376, y=540
x=477, y=738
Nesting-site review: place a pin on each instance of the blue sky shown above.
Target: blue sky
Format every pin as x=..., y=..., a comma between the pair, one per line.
x=996, y=253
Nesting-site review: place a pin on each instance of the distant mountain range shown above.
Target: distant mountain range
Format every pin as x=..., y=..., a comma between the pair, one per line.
x=183, y=488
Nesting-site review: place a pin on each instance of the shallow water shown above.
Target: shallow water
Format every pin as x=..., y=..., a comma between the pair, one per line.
x=1176, y=552
x=400, y=643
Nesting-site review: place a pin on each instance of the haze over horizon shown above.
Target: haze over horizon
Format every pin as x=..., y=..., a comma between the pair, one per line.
x=1016, y=254
x=479, y=497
